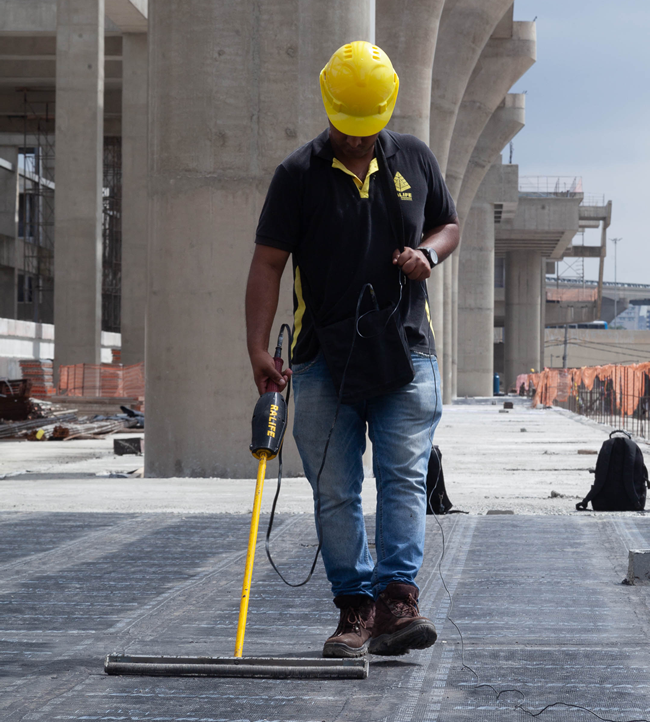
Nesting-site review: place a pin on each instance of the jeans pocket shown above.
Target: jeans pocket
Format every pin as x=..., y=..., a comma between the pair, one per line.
x=302, y=368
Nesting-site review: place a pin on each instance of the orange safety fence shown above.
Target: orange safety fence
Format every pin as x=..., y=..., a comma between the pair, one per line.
x=613, y=394
x=102, y=380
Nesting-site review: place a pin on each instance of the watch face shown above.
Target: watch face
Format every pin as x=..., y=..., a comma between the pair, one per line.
x=433, y=256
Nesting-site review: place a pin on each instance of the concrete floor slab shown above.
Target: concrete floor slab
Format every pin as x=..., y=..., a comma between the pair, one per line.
x=91, y=565
x=538, y=599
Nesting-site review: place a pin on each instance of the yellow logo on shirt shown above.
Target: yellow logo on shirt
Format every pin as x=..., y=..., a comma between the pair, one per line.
x=402, y=185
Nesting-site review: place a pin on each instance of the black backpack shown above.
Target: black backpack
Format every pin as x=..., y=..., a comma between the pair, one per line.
x=437, y=500
x=621, y=477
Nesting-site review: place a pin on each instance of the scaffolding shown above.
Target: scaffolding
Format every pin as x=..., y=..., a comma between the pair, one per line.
x=112, y=235
x=36, y=160
x=36, y=166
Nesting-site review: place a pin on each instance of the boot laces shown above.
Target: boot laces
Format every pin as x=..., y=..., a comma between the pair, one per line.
x=404, y=607
x=351, y=620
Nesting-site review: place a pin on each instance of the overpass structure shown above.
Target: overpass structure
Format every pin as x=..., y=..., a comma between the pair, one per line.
x=136, y=144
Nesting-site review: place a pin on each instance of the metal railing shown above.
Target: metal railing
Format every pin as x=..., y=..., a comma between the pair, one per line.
x=614, y=395
x=550, y=186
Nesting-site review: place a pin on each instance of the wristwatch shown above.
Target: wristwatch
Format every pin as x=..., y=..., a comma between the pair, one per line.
x=430, y=254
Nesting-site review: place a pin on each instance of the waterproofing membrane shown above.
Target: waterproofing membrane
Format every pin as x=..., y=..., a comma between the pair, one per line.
x=539, y=601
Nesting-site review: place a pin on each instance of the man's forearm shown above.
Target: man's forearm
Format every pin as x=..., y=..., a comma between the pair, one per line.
x=443, y=239
x=262, y=293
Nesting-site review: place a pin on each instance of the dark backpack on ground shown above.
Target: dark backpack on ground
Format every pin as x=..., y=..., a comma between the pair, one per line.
x=621, y=477
x=437, y=499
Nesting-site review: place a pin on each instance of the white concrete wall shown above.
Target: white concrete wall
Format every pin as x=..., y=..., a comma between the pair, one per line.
x=592, y=347
x=28, y=340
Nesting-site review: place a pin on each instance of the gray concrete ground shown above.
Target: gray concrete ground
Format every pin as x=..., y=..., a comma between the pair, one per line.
x=92, y=564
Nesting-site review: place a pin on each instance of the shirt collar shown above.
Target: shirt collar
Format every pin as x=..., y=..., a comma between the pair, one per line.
x=323, y=148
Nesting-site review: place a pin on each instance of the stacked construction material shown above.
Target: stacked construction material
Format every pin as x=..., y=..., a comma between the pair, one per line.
x=102, y=380
x=40, y=373
x=14, y=399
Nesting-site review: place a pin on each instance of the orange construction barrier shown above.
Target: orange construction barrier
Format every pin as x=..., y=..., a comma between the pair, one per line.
x=102, y=380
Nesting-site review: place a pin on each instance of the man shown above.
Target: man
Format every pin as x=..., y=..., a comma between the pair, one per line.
x=328, y=208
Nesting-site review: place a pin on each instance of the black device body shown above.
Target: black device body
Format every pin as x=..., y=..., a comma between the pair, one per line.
x=269, y=424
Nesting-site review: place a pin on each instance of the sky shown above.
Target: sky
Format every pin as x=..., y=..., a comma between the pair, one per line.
x=588, y=114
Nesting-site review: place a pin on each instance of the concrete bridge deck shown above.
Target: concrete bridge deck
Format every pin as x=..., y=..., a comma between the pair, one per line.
x=92, y=564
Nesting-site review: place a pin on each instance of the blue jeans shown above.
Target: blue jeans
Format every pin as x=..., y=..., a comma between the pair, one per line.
x=401, y=426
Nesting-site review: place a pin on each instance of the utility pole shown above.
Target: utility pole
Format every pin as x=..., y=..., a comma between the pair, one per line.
x=566, y=345
x=615, y=241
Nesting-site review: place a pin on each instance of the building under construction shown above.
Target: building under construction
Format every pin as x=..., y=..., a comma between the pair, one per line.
x=136, y=146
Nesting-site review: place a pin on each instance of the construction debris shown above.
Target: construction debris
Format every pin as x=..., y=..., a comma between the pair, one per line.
x=128, y=446
x=53, y=422
x=15, y=404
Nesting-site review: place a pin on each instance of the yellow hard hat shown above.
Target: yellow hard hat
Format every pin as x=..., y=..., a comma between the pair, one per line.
x=359, y=88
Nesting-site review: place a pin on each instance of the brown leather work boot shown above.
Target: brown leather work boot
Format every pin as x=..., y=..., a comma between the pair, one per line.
x=355, y=627
x=398, y=625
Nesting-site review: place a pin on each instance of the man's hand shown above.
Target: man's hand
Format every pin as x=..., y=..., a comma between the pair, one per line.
x=414, y=264
x=264, y=371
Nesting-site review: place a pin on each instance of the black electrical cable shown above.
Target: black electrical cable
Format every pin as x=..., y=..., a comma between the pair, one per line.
x=464, y=665
x=357, y=318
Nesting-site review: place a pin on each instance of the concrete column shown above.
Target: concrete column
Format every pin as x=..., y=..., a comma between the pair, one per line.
x=8, y=231
x=503, y=61
x=505, y=58
x=476, y=303
x=315, y=32
x=408, y=33
x=523, y=313
x=542, y=315
x=447, y=330
x=78, y=197
x=220, y=119
x=506, y=121
x=465, y=28
x=135, y=65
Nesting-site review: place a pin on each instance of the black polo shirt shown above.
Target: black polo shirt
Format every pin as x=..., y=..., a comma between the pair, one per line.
x=340, y=240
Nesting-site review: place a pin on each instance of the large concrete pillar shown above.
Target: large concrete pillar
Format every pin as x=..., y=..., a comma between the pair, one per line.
x=220, y=118
x=135, y=64
x=465, y=28
x=506, y=121
x=408, y=33
x=78, y=197
x=507, y=55
x=505, y=58
x=8, y=230
x=523, y=313
x=476, y=303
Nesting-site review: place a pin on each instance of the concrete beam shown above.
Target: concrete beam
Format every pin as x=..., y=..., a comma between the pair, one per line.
x=78, y=198
x=36, y=17
x=502, y=62
x=43, y=47
x=18, y=17
x=506, y=121
x=408, y=33
x=215, y=138
x=546, y=224
x=465, y=28
x=130, y=16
